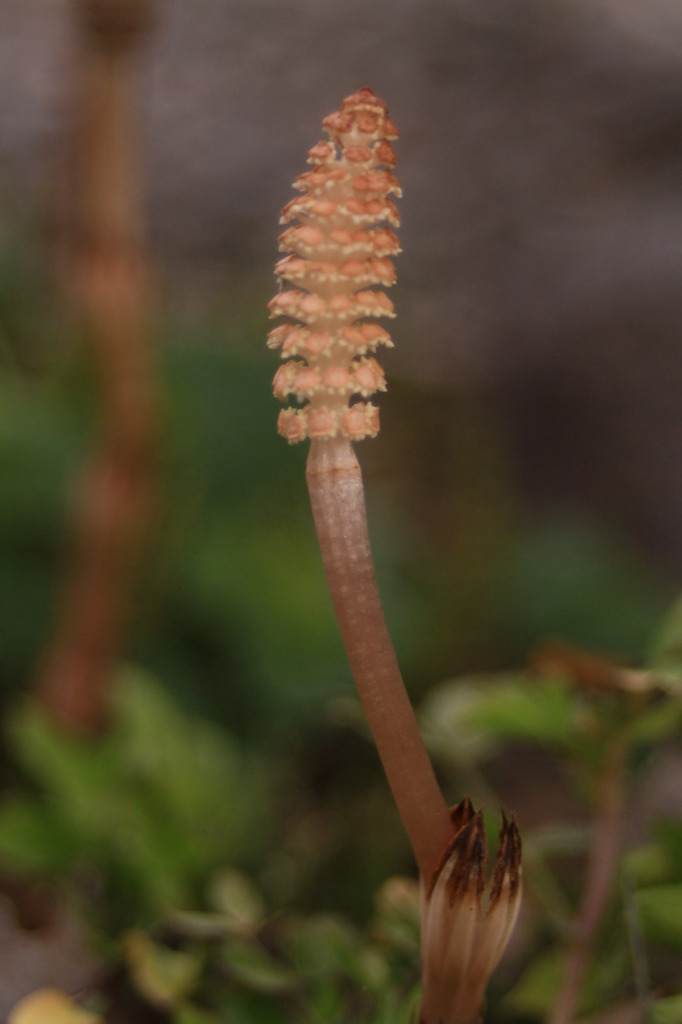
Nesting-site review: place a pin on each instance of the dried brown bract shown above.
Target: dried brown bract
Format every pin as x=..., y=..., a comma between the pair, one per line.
x=465, y=924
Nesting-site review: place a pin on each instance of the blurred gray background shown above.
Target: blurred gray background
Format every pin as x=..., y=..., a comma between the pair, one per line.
x=541, y=159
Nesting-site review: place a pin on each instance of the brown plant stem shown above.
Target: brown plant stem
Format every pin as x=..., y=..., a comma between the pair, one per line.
x=107, y=279
x=337, y=498
x=602, y=866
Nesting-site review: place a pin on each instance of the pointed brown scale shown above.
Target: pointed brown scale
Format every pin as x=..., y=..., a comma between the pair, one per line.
x=508, y=863
x=462, y=813
x=468, y=853
x=463, y=938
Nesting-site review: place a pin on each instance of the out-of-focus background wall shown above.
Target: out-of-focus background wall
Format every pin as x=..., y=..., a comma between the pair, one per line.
x=540, y=158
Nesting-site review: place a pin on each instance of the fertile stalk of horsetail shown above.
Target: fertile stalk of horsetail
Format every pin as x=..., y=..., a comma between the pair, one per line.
x=338, y=241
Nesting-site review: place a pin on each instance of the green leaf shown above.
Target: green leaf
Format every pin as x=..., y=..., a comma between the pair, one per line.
x=199, y=925
x=398, y=910
x=649, y=864
x=474, y=715
x=237, y=899
x=535, y=991
x=51, y=1006
x=187, y=1013
x=666, y=1011
x=576, y=580
x=659, y=861
x=660, y=911
x=651, y=725
x=162, y=976
x=72, y=770
x=243, y=1006
x=323, y=944
x=666, y=647
x=33, y=840
x=157, y=802
x=256, y=969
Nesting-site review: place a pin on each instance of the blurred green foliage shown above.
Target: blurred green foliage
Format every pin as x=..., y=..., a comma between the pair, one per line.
x=229, y=965
x=149, y=810
x=226, y=838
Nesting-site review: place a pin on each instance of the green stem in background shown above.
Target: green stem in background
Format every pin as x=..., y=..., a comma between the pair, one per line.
x=337, y=498
x=602, y=867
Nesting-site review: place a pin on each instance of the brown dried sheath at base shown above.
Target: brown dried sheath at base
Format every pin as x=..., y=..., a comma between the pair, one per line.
x=337, y=498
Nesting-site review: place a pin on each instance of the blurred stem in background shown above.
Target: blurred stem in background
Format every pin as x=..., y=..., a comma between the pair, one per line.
x=607, y=772
x=107, y=279
x=603, y=864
